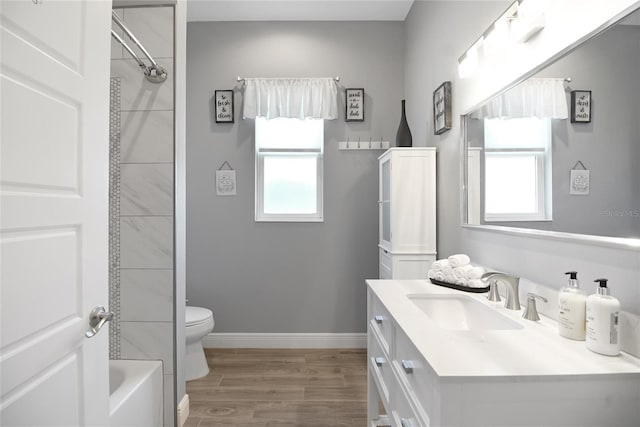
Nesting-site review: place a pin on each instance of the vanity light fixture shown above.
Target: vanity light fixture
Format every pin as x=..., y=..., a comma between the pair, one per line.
x=496, y=38
x=468, y=62
x=521, y=21
x=530, y=20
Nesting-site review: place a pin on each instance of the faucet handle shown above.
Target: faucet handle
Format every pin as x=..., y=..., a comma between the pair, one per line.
x=494, y=295
x=530, y=311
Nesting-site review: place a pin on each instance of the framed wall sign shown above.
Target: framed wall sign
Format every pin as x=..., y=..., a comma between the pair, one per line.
x=579, y=185
x=224, y=106
x=225, y=180
x=354, y=103
x=579, y=180
x=580, y=106
x=442, y=108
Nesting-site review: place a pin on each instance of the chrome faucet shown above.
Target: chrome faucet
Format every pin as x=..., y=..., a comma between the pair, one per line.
x=511, y=282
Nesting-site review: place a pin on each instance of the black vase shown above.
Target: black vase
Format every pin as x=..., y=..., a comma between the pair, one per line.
x=403, y=137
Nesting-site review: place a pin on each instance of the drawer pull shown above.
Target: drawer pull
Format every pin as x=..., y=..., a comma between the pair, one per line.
x=406, y=422
x=379, y=361
x=378, y=319
x=407, y=366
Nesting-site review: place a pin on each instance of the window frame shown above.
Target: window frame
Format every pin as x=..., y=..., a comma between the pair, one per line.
x=261, y=154
x=543, y=182
x=540, y=195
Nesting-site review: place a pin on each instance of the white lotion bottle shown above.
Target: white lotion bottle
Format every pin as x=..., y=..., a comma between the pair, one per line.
x=572, y=307
x=603, y=329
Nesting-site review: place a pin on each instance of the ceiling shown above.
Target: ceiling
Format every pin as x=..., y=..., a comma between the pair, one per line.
x=298, y=10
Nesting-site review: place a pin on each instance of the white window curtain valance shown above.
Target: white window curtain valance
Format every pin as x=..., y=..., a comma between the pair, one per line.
x=299, y=98
x=544, y=98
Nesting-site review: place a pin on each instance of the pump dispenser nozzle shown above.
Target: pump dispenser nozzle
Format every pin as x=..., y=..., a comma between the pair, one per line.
x=573, y=279
x=573, y=275
x=602, y=286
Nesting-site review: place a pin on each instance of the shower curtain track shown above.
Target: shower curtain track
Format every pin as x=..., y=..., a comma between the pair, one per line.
x=154, y=72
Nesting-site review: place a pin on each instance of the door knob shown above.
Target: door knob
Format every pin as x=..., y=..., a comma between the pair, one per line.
x=97, y=318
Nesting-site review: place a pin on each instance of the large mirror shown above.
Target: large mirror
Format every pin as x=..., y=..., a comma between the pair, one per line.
x=561, y=151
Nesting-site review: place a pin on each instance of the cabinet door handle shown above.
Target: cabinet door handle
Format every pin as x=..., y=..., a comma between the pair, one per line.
x=406, y=422
x=379, y=361
x=407, y=365
x=378, y=319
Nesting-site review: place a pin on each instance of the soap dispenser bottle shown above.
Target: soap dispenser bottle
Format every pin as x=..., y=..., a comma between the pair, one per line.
x=603, y=331
x=571, y=305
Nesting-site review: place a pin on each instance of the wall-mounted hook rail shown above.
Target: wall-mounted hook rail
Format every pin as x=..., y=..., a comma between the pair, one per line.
x=359, y=144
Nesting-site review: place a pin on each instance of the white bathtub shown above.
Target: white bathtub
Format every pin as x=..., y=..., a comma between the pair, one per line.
x=135, y=388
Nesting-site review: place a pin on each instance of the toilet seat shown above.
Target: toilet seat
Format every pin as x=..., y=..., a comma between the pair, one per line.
x=195, y=316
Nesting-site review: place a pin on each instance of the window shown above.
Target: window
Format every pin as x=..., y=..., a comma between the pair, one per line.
x=289, y=169
x=517, y=169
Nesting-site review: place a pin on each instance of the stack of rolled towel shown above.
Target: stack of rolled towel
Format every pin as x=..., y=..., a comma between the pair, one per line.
x=457, y=269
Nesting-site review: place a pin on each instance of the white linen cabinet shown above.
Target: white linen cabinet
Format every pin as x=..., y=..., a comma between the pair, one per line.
x=407, y=216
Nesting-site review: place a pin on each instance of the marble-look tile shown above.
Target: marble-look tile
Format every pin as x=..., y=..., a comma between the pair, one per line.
x=153, y=26
x=630, y=333
x=146, y=295
x=146, y=242
x=116, y=47
x=146, y=137
x=169, y=401
x=146, y=189
x=137, y=92
x=148, y=341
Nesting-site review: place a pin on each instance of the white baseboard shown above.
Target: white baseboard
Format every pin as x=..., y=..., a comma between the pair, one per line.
x=248, y=340
x=183, y=410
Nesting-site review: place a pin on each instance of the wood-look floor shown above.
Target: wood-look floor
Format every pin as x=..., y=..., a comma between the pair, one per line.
x=267, y=387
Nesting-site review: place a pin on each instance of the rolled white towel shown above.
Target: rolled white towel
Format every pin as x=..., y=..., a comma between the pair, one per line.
x=447, y=270
x=431, y=274
x=476, y=283
x=461, y=272
x=439, y=276
x=438, y=265
x=462, y=282
x=459, y=260
x=474, y=272
x=449, y=277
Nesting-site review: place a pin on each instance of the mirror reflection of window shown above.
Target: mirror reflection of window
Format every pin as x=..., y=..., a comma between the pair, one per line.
x=517, y=169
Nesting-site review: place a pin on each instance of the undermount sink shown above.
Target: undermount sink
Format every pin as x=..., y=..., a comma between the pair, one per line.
x=461, y=313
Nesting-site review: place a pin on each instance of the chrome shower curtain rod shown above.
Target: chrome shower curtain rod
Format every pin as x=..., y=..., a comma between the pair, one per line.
x=154, y=72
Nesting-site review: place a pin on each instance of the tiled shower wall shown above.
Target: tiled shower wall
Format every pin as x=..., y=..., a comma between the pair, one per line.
x=141, y=286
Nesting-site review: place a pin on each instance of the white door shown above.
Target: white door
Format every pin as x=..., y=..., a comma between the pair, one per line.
x=54, y=92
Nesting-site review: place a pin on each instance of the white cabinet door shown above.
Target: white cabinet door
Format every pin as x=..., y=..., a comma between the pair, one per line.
x=407, y=212
x=385, y=202
x=54, y=176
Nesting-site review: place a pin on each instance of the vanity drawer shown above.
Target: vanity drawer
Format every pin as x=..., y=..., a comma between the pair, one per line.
x=381, y=322
x=414, y=373
x=403, y=414
x=380, y=368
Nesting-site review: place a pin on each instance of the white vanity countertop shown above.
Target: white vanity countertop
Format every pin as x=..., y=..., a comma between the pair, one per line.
x=535, y=350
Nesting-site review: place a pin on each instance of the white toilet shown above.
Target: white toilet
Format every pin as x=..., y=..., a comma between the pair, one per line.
x=198, y=322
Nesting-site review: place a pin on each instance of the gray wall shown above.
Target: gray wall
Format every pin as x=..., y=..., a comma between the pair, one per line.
x=146, y=288
x=287, y=277
x=437, y=33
